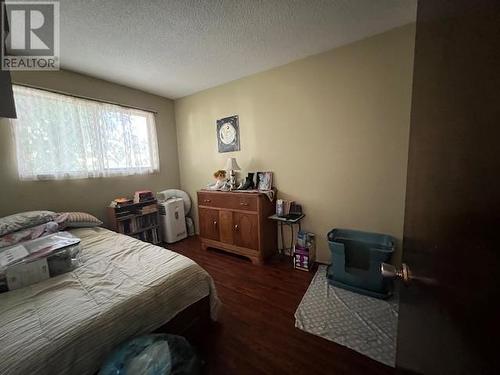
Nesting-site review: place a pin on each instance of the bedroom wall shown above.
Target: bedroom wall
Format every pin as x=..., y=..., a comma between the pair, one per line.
x=90, y=195
x=333, y=128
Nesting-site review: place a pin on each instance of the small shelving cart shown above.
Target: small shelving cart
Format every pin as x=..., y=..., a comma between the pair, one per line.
x=138, y=220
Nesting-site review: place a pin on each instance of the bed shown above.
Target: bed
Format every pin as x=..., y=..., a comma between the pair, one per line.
x=123, y=288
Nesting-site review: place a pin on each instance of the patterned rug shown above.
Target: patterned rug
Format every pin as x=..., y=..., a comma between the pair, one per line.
x=365, y=324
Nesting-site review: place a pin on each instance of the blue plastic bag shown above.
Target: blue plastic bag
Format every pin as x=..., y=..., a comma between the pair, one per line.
x=157, y=354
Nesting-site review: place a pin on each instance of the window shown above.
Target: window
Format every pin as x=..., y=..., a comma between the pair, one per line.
x=60, y=136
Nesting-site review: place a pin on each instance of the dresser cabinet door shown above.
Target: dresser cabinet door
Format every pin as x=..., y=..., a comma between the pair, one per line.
x=226, y=227
x=246, y=231
x=209, y=223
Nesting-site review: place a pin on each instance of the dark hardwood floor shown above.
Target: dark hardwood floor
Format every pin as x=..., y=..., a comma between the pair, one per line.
x=255, y=333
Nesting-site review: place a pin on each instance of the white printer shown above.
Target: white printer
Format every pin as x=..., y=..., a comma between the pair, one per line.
x=172, y=220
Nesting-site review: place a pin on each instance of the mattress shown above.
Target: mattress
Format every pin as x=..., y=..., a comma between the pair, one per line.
x=124, y=288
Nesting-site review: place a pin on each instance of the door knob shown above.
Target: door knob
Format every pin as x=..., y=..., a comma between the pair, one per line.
x=391, y=272
x=405, y=275
x=236, y=227
x=215, y=223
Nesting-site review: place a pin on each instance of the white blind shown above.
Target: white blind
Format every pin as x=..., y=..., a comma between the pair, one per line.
x=60, y=136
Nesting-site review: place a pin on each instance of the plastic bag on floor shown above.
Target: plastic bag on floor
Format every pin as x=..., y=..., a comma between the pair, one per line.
x=158, y=354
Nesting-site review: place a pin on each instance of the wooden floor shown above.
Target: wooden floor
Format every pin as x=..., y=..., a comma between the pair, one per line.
x=256, y=333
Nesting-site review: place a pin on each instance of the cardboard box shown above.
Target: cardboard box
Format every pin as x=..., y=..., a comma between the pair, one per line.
x=304, y=253
x=23, y=274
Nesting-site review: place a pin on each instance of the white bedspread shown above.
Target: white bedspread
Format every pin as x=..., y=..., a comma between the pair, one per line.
x=125, y=287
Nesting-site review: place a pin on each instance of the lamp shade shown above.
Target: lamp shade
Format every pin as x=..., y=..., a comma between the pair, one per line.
x=232, y=165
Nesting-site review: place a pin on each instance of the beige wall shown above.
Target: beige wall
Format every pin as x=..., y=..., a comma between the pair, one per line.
x=91, y=195
x=332, y=127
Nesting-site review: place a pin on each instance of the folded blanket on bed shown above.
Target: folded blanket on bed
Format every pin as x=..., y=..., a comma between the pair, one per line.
x=29, y=234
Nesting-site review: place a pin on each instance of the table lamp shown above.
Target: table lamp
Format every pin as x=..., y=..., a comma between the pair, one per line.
x=231, y=167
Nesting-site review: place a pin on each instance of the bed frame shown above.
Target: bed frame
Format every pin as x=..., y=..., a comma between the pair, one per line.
x=194, y=322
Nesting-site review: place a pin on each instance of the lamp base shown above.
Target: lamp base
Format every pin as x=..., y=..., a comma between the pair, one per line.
x=232, y=180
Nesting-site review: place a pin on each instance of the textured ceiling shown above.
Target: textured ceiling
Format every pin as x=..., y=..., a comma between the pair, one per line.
x=175, y=48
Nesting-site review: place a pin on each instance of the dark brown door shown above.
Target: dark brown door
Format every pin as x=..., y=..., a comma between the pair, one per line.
x=448, y=322
x=209, y=223
x=246, y=231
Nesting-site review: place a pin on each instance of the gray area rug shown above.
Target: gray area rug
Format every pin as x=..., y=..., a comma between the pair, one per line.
x=365, y=324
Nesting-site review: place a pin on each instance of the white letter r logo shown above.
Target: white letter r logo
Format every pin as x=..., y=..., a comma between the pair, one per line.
x=18, y=29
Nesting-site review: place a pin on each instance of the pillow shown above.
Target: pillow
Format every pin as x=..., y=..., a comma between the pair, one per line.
x=23, y=220
x=79, y=220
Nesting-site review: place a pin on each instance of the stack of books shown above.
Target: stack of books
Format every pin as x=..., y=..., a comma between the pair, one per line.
x=132, y=221
x=145, y=221
x=152, y=208
x=148, y=236
x=121, y=202
x=143, y=196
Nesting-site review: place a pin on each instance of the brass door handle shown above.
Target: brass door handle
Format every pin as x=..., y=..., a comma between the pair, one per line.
x=405, y=275
x=391, y=272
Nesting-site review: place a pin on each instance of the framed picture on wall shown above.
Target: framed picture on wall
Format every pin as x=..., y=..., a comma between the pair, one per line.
x=228, y=134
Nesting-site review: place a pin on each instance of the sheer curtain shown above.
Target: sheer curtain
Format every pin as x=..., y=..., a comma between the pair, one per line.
x=60, y=136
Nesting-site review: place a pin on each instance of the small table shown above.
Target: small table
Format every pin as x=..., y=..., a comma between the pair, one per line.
x=290, y=222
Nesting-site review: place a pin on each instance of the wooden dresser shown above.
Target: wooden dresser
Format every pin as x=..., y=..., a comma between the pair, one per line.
x=238, y=223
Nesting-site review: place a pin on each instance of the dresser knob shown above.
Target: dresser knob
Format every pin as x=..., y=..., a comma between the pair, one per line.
x=236, y=227
x=207, y=200
x=215, y=223
x=243, y=204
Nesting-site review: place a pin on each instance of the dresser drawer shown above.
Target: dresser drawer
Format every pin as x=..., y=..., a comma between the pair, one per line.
x=234, y=201
x=209, y=199
x=241, y=202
